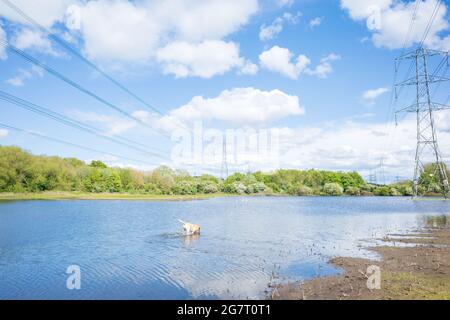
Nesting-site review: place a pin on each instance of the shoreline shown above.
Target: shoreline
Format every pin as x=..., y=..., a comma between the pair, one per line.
x=74, y=195
x=419, y=271
x=105, y=196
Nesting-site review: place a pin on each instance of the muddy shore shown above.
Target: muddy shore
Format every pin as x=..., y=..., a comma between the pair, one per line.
x=419, y=270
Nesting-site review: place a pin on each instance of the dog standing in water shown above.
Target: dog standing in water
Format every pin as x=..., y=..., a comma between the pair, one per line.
x=190, y=228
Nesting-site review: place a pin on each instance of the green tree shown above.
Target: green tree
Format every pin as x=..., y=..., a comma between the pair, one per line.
x=98, y=164
x=113, y=182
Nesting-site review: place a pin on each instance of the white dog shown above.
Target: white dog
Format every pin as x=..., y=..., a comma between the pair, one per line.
x=190, y=228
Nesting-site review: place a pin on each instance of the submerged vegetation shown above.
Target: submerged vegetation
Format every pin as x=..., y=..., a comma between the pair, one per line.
x=22, y=172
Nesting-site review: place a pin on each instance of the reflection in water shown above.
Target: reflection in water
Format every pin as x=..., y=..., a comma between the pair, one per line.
x=134, y=250
x=440, y=221
x=190, y=239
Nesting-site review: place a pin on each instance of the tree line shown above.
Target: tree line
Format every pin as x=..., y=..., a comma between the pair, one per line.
x=20, y=171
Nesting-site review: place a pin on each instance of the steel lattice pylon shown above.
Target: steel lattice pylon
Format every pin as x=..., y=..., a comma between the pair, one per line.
x=224, y=166
x=424, y=109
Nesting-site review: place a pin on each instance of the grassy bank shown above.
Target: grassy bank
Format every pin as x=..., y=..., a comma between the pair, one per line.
x=420, y=272
x=51, y=195
x=78, y=195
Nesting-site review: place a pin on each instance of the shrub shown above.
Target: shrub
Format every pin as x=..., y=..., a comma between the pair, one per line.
x=210, y=188
x=394, y=192
x=239, y=188
x=184, y=187
x=333, y=189
x=352, y=191
x=259, y=187
x=273, y=186
x=303, y=190
x=407, y=191
x=383, y=191
x=152, y=188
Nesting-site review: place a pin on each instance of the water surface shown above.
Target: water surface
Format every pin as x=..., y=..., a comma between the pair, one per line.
x=134, y=250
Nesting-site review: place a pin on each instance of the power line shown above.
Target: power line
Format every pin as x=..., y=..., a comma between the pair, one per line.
x=75, y=52
x=71, y=144
x=69, y=48
x=73, y=123
x=430, y=22
x=405, y=43
x=424, y=36
x=394, y=95
x=77, y=86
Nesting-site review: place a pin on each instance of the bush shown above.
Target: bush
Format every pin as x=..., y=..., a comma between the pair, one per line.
x=352, y=191
x=333, y=189
x=210, y=188
x=152, y=188
x=273, y=186
x=184, y=187
x=394, y=192
x=383, y=191
x=366, y=193
x=239, y=187
x=304, y=191
x=407, y=191
x=259, y=187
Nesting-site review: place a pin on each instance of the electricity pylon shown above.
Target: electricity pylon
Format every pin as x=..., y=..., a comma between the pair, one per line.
x=224, y=167
x=424, y=109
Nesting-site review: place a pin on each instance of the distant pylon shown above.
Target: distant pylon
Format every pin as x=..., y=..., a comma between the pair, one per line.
x=381, y=174
x=372, y=178
x=224, y=167
x=424, y=109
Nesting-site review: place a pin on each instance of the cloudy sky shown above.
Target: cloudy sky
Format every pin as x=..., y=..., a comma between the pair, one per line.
x=319, y=71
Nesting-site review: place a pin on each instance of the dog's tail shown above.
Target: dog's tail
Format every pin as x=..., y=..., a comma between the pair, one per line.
x=181, y=221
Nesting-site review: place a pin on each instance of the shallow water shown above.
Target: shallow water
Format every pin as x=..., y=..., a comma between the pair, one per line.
x=134, y=249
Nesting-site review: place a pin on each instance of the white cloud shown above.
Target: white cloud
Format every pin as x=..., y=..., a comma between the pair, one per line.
x=122, y=30
x=239, y=106
x=35, y=40
x=315, y=22
x=283, y=3
x=45, y=12
x=350, y=145
x=117, y=32
x=324, y=68
x=269, y=32
x=206, y=59
x=23, y=75
x=200, y=20
x=362, y=9
x=389, y=22
x=3, y=55
x=112, y=125
x=280, y=60
x=370, y=96
x=3, y=133
x=249, y=68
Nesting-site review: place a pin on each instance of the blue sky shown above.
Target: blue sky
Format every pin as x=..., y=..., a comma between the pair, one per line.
x=320, y=71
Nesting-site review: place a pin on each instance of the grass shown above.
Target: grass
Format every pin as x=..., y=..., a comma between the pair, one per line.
x=404, y=285
x=66, y=195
